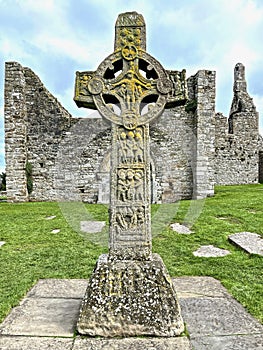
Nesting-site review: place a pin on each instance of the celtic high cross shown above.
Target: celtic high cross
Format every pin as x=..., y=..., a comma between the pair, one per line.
x=130, y=88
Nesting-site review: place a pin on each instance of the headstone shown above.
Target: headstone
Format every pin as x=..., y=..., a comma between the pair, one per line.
x=251, y=242
x=130, y=292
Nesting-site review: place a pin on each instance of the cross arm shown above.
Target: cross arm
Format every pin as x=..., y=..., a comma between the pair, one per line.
x=179, y=94
x=83, y=97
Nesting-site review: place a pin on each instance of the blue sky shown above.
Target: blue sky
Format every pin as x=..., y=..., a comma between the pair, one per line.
x=55, y=38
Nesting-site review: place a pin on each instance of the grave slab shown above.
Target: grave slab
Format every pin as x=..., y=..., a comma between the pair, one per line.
x=57, y=230
x=181, y=229
x=34, y=343
x=43, y=317
x=92, y=226
x=235, y=342
x=209, y=251
x=51, y=217
x=251, y=242
x=59, y=288
x=217, y=316
x=179, y=343
x=199, y=287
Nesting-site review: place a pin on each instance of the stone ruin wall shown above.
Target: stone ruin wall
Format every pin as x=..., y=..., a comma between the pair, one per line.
x=238, y=145
x=70, y=156
x=35, y=123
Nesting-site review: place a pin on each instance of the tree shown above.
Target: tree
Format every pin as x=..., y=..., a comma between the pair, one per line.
x=3, y=182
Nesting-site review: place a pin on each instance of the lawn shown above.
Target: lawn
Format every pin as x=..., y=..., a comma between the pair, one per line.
x=33, y=250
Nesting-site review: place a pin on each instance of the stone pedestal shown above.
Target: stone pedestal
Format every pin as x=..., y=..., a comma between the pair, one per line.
x=130, y=298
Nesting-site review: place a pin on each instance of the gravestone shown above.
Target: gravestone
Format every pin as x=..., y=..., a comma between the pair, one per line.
x=130, y=291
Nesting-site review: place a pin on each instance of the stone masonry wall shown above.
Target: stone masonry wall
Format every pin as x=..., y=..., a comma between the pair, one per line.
x=172, y=139
x=15, y=132
x=47, y=124
x=204, y=95
x=237, y=143
x=191, y=148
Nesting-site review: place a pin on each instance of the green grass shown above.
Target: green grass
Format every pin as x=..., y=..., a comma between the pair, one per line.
x=32, y=251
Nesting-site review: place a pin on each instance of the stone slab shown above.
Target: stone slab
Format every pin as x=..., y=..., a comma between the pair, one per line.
x=217, y=316
x=181, y=229
x=57, y=230
x=235, y=342
x=51, y=217
x=92, y=226
x=209, y=251
x=2, y=243
x=43, y=317
x=251, y=242
x=178, y=343
x=214, y=320
x=34, y=343
x=199, y=287
x=59, y=288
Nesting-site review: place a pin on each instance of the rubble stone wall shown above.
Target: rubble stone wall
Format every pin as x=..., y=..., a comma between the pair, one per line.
x=192, y=148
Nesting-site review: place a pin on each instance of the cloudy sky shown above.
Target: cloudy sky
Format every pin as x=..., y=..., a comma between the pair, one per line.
x=55, y=38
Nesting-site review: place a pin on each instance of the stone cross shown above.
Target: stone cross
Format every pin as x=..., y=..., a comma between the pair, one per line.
x=130, y=88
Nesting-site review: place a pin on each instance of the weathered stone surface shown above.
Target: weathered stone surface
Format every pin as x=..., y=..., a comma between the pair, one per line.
x=209, y=251
x=235, y=342
x=179, y=343
x=128, y=298
x=59, y=288
x=43, y=317
x=250, y=242
x=34, y=343
x=92, y=226
x=130, y=292
x=217, y=316
x=199, y=287
x=182, y=229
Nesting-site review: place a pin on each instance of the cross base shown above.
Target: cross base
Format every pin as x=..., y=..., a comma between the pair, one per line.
x=130, y=298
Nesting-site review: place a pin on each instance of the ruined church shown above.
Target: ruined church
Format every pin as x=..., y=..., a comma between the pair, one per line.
x=52, y=156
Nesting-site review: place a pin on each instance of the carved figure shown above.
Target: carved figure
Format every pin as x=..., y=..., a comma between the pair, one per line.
x=123, y=147
x=130, y=185
x=138, y=150
x=122, y=186
x=130, y=146
x=131, y=89
x=129, y=218
x=138, y=185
